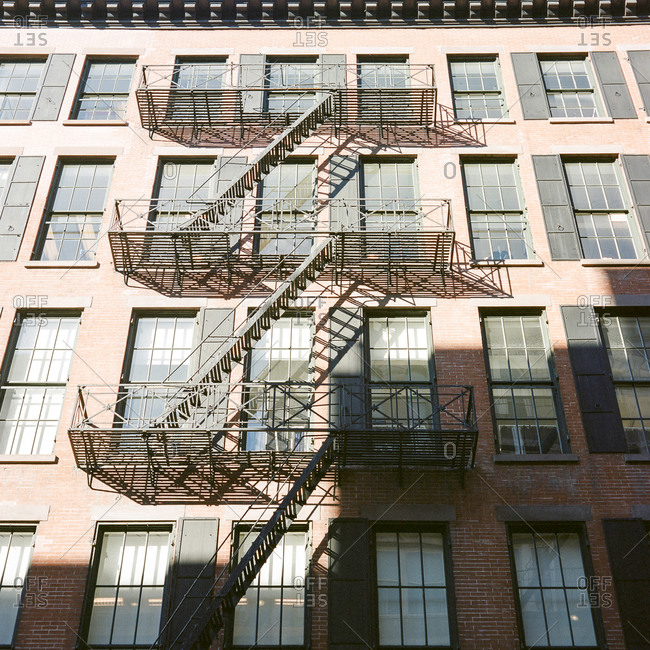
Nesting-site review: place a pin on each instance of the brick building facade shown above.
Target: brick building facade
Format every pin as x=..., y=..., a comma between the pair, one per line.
x=389, y=273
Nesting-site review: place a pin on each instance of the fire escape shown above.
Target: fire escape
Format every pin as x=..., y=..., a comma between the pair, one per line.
x=184, y=448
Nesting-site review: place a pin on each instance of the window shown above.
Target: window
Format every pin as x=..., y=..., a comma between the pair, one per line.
x=183, y=188
x=291, y=84
x=401, y=371
x=199, y=74
x=194, y=74
x=5, y=168
x=32, y=397
x=15, y=556
x=287, y=203
x=272, y=611
x=160, y=352
x=380, y=72
x=104, y=90
x=278, y=410
x=525, y=395
x=570, y=90
x=553, y=603
x=627, y=339
x=496, y=211
x=413, y=600
x=18, y=85
x=605, y=225
x=126, y=590
x=476, y=88
x=74, y=218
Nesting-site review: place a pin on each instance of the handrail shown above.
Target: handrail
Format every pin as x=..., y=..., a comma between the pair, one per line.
x=327, y=76
x=143, y=214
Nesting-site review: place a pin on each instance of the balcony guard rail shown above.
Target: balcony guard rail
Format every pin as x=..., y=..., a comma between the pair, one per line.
x=308, y=215
x=215, y=105
x=286, y=76
x=257, y=235
x=392, y=425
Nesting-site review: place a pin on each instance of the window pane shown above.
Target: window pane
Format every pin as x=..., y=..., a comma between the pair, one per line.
x=389, y=617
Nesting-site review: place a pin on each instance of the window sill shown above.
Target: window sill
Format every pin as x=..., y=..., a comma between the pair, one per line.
x=65, y=264
x=581, y=120
x=505, y=120
x=15, y=122
x=642, y=262
x=541, y=459
x=534, y=262
x=36, y=459
x=637, y=458
x=94, y=123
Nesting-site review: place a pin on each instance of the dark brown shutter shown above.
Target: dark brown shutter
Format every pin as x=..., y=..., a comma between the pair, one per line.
x=600, y=414
x=628, y=547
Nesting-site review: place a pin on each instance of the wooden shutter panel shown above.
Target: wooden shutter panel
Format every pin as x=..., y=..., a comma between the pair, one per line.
x=346, y=365
x=344, y=186
x=215, y=326
x=532, y=94
x=18, y=204
x=350, y=583
x=628, y=548
x=251, y=75
x=332, y=71
x=612, y=82
x=556, y=208
x=50, y=95
x=196, y=546
x=228, y=168
x=600, y=414
x=640, y=62
x=637, y=169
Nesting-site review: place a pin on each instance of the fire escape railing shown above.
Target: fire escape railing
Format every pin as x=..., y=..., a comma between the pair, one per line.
x=238, y=94
x=145, y=235
x=388, y=424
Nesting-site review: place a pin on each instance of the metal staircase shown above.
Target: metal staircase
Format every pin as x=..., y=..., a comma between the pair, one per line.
x=209, y=617
x=233, y=350
x=270, y=157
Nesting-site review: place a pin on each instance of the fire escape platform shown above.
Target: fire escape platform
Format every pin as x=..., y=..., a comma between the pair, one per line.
x=191, y=463
x=232, y=103
x=412, y=238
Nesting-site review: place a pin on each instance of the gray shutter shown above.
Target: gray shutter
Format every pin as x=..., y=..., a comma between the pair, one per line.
x=556, y=208
x=628, y=548
x=532, y=94
x=640, y=62
x=17, y=204
x=211, y=412
x=346, y=365
x=215, y=326
x=228, y=168
x=349, y=585
x=615, y=92
x=50, y=95
x=251, y=75
x=600, y=414
x=637, y=169
x=345, y=191
x=196, y=545
x=333, y=70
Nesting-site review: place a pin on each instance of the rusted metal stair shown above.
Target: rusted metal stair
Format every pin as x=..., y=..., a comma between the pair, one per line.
x=270, y=157
x=210, y=616
x=232, y=351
